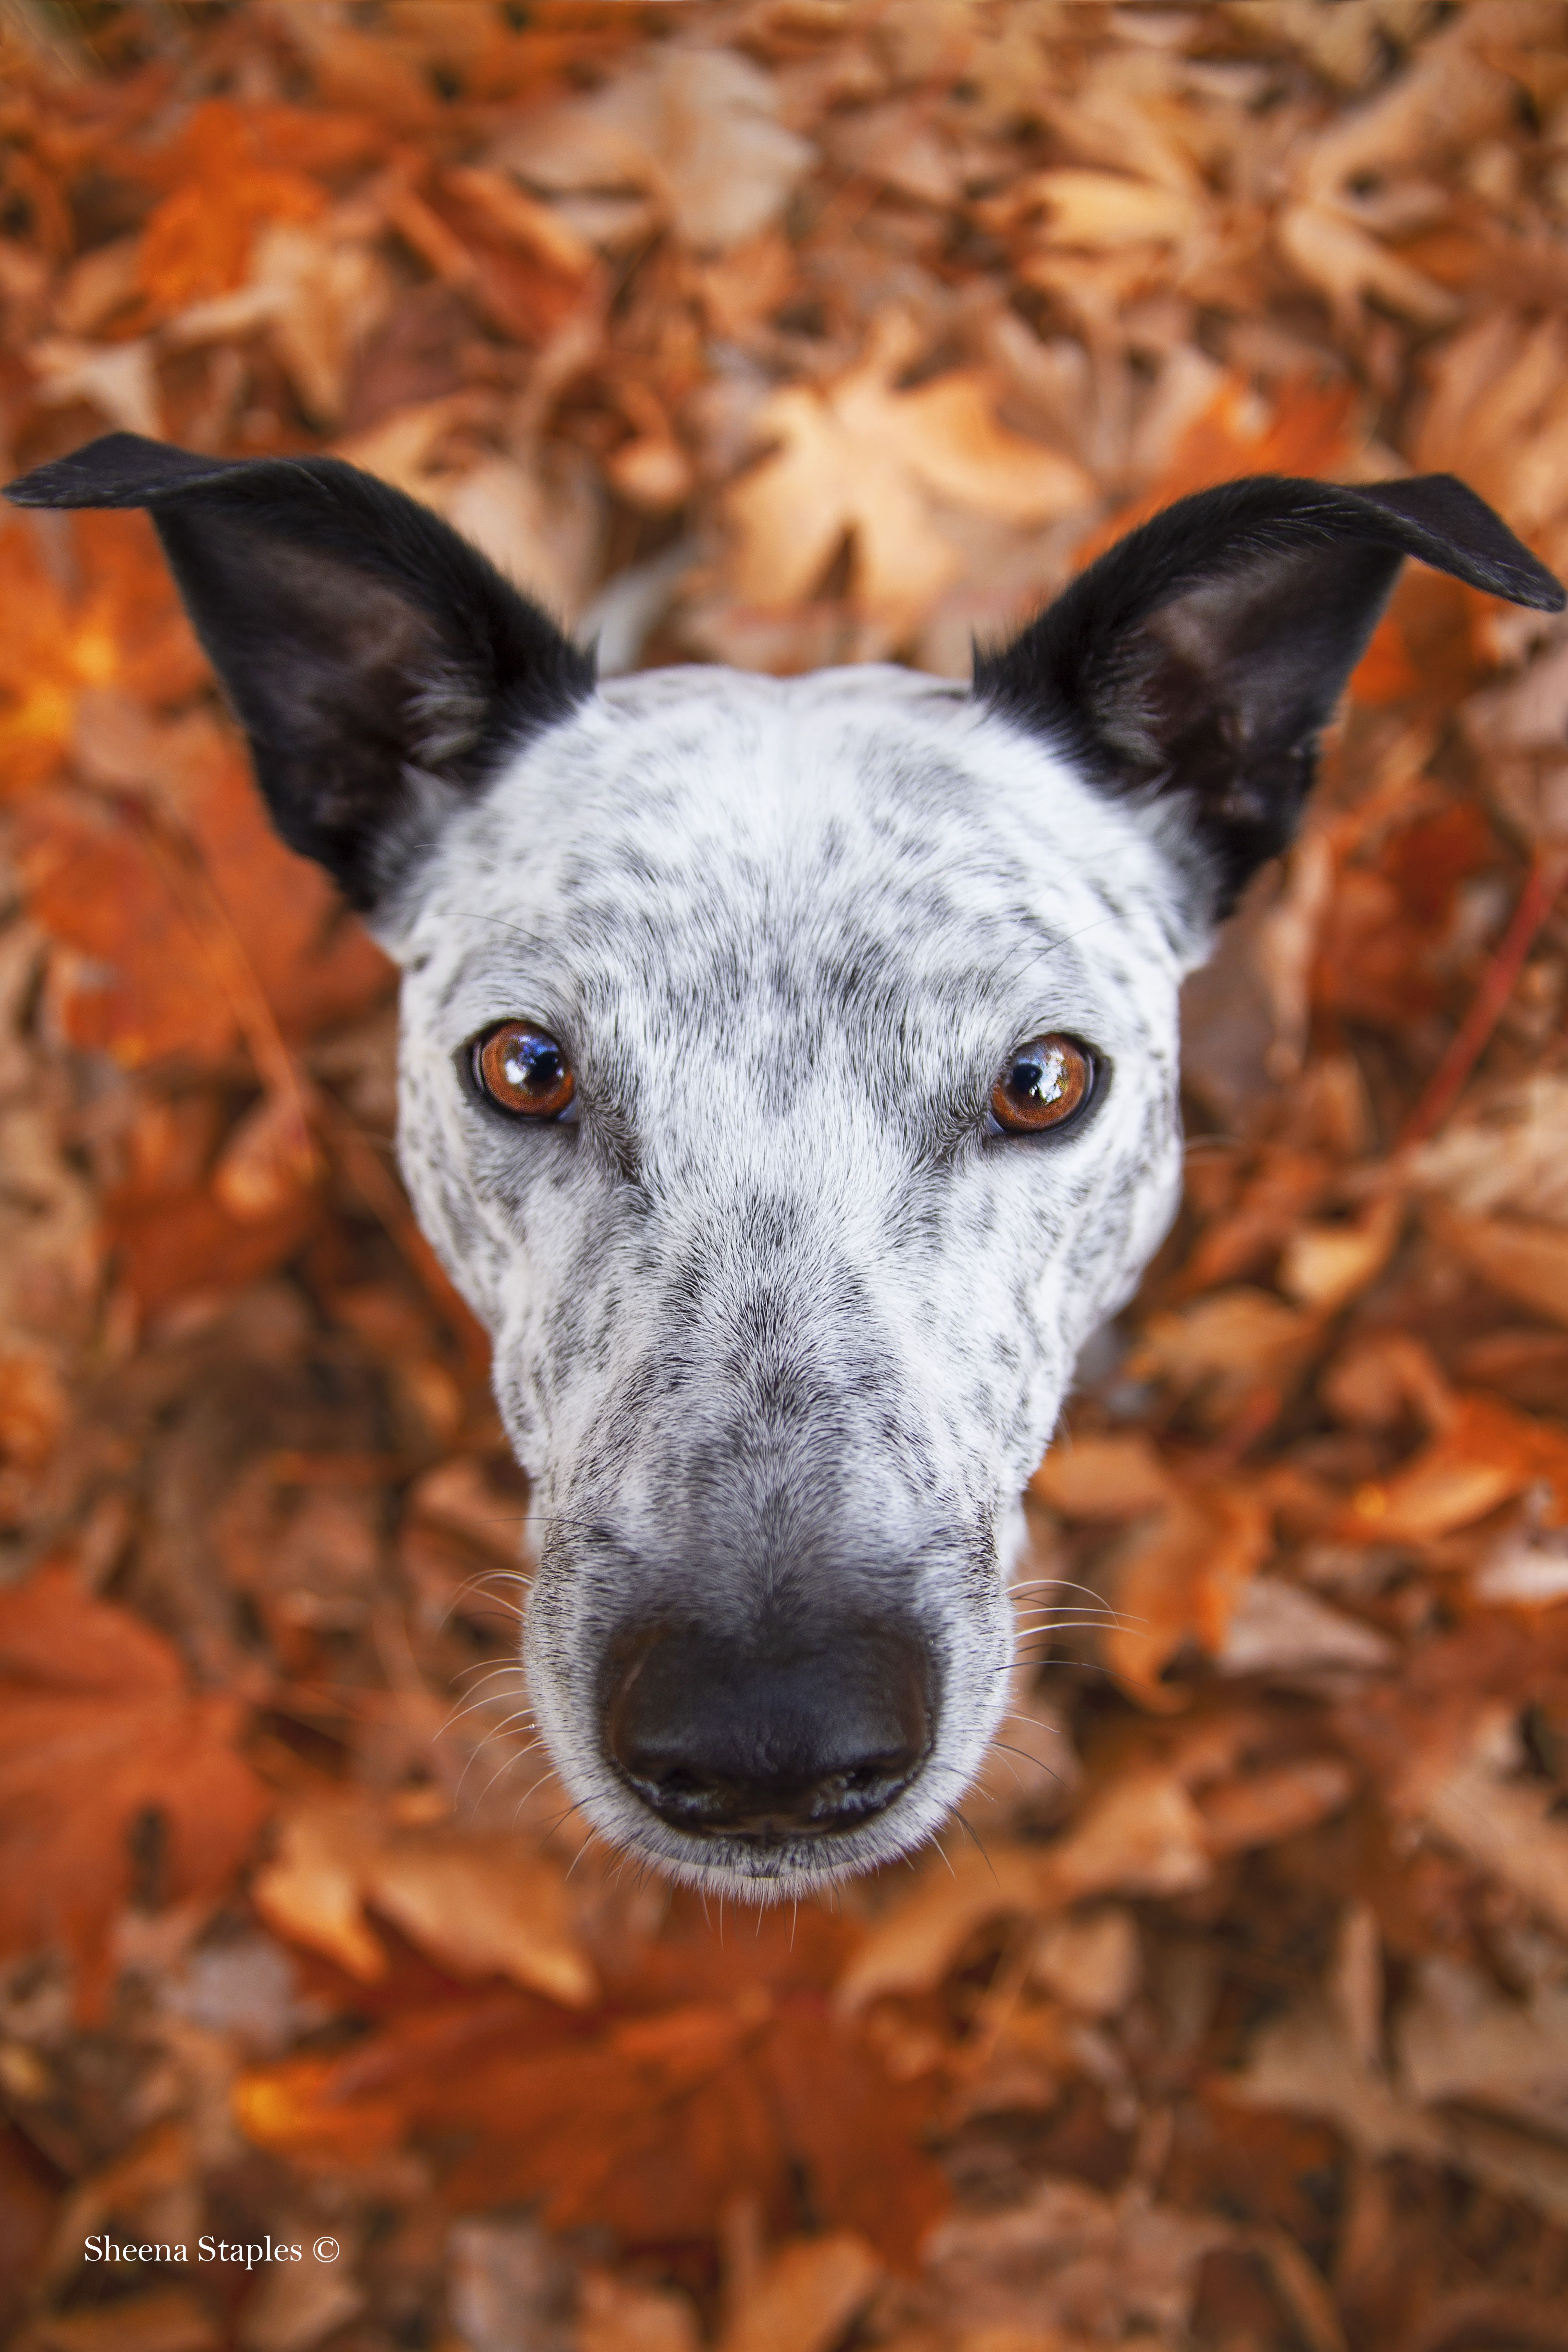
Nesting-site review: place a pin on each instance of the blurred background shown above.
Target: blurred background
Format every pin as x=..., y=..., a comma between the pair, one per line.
x=785, y=333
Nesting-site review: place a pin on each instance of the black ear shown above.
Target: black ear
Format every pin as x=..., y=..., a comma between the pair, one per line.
x=1203, y=655
x=378, y=663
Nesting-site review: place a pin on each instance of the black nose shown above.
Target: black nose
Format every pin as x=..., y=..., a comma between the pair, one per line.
x=763, y=1740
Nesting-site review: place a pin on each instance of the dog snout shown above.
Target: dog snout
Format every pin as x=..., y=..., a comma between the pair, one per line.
x=724, y=1738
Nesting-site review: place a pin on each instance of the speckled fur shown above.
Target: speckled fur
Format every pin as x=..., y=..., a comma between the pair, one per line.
x=781, y=1327
x=776, y=1317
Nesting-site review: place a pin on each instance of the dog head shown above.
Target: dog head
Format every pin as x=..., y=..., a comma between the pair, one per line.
x=788, y=1076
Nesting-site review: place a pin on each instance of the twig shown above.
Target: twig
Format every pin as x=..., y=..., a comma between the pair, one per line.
x=1470, y=1040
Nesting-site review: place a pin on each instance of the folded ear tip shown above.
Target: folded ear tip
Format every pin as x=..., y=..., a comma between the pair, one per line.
x=118, y=469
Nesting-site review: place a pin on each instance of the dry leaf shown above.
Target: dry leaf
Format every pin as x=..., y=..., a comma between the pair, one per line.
x=1067, y=2256
x=1507, y=1825
x=1524, y=1260
x=1458, y=2038
x=804, y=2299
x=1103, y=1477
x=1484, y=1454
x=100, y=1734
x=1221, y=1349
x=615, y=2316
x=1176, y=1580
x=482, y=1906
x=696, y=128
x=1277, y=1628
x=866, y=458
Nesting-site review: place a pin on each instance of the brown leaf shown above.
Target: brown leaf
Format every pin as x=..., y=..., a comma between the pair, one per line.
x=1095, y=1476
x=865, y=457
x=1177, y=1580
x=1524, y=1260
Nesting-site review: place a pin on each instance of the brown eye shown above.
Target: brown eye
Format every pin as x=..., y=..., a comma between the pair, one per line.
x=1042, y=1085
x=522, y=1070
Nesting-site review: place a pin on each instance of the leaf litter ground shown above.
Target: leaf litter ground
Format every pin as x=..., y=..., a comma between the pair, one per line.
x=781, y=333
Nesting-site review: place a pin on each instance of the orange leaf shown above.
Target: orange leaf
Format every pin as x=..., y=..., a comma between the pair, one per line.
x=651, y=2128
x=103, y=614
x=196, y=242
x=101, y=1742
x=1176, y=1583
x=1483, y=1456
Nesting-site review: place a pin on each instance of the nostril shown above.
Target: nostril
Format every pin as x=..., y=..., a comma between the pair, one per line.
x=724, y=1739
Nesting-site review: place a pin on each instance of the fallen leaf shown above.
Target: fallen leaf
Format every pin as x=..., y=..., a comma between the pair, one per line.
x=616, y=2315
x=1506, y=1825
x=804, y=2299
x=481, y=1905
x=1090, y=1960
x=1302, y=2064
x=1177, y=1580
x=103, y=1747
x=1485, y=1453
x=864, y=457
x=166, y=2321
x=1220, y=1348
x=197, y=242
x=1524, y=1260
x=692, y=2107
x=1324, y=1266
x=1458, y=2038
x=1276, y=1627
x=1107, y=2269
x=1141, y=1835
x=1103, y=1477
x=1267, y=1806
x=695, y=127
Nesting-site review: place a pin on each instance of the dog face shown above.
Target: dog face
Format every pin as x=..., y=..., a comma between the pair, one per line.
x=783, y=1318
x=788, y=1078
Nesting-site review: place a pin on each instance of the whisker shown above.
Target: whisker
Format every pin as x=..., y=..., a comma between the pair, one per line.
x=1054, y=1584
x=972, y=1833
x=1005, y=1748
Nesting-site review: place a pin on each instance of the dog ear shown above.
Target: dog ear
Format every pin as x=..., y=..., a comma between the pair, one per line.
x=1203, y=655
x=377, y=662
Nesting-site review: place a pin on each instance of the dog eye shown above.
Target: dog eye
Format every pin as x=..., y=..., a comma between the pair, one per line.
x=1043, y=1084
x=522, y=1070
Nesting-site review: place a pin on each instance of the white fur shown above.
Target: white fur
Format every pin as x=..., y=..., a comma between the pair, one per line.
x=776, y=1307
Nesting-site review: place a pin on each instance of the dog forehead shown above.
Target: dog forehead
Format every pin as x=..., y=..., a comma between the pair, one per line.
x=697, y=838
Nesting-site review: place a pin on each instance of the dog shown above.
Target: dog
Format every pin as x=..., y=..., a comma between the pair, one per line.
x=788, y=1076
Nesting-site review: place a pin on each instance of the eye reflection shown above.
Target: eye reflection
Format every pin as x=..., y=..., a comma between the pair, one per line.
x=1043, y=1085
x=523, y=1070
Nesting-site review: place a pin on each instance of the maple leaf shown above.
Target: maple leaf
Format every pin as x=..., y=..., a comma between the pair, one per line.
x=863, y=457
x=651, y=2126
x=101, y=1737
